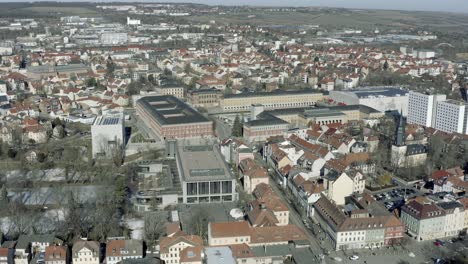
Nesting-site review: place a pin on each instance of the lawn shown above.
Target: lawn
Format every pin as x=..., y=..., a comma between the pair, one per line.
x=60, y=10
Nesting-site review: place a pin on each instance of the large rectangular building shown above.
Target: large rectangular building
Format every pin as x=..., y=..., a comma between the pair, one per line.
x=261, y=129
x=275, y=100
x=167, y=117
x=108, y=135
x=451, y=117
x=204, y=175
x=422, y=108
x=380, y=98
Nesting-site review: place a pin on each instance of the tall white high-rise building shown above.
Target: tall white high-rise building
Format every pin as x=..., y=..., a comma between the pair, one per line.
x=108, y=135
x=451, y=116
x=422, y=108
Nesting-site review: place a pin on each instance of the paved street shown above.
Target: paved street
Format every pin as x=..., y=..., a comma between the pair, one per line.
x=320, y=243
x=294, y=216
x=223, y=130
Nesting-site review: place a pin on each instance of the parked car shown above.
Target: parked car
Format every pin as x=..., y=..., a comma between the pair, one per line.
x=354, y=257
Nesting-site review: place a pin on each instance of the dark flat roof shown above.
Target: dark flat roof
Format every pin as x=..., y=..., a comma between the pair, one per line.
x=169, y=110
x=266, y=122
x=385, y=91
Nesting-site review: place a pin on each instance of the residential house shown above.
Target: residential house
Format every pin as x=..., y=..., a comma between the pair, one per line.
x=236, y=233
x=180, y=248
x=424, y=220
x=86, y=252
x=267, y=209
x=306, y=190
x=36, y=243
x=235, y=150
x=118, y=250
x=357, y=228
x=56, y=255
x=252, y=174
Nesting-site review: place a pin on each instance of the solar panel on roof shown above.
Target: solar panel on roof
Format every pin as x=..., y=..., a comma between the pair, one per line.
x=110, y=121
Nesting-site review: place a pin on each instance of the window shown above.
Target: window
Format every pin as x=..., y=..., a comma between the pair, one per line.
x=215, y=188
x=191, y=188
x=203, y=187
x=226, y=186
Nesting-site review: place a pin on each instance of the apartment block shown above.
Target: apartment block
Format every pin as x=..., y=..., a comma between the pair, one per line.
x=451, y=117
x=422, y=108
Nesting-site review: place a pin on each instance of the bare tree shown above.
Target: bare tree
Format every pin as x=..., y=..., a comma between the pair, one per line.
x=199, y=223
x=154, y=226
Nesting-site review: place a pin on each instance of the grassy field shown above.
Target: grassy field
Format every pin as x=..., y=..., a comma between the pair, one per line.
x=59, y=10
x=385, y=19
x=46, y=10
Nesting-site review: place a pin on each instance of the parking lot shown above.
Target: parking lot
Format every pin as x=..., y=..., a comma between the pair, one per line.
x=395, y=198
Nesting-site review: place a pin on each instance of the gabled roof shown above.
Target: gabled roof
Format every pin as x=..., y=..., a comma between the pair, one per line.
x=119, y=247
x=262, y=217
x=54, y=253
x=166, y=242
x=230, y=229
x=422, y=210
x=91, y=245
x=272, y=234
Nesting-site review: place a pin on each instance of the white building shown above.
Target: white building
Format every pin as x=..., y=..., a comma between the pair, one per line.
x=451, y=117
x=86, y=252
x=424, y=54
x=422, y=108
x=379, y=98
x=114, y=38
x=133, y=22
x=108, y=135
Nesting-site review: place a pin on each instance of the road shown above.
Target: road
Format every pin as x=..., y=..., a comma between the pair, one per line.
x=223, y=130
x=294, y=215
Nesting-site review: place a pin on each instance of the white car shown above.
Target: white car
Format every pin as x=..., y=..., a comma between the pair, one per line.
x=354, y=257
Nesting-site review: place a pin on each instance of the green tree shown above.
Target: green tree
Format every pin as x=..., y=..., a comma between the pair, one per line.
x=12, y=153
x=110, y=68
x=120, y=192
x=385, y=66
x=237, y=127
x=151, y=79
x=142, y=79
x=91, y=82
x=3, y=195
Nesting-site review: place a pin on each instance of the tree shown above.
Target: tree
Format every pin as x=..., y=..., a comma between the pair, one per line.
x=41, y=157
x=154, y=226
x=110, y=68
x=385, y=66
x=91, y=82
x=12, y=153
x=3, y=195
x=120, y=192
x=133, y=88
x=167, y=72
x=237, y=127
x=142, y=79
x=187, y=68
x=151, y=79
x=57, y=122
x=199, y=223
x=385, y=179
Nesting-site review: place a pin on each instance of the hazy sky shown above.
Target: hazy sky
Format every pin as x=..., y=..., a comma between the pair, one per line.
x=426, y=5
